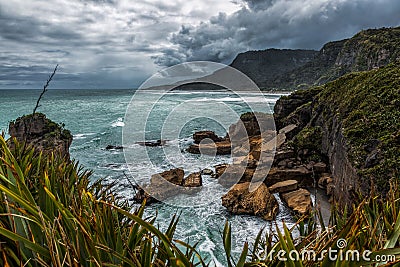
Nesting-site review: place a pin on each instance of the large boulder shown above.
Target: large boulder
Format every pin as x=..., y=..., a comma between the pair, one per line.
x=260, y=202
x=283, y=187
x=217, y=148
x=235, y=173
x=299, y=201
x=300, y=174
x=40, y=132
x=251, y=124
x=167, y=184
x=174, y=176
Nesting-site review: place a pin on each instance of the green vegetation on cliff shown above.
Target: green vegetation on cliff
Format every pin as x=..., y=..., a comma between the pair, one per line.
x=368, y=105
x=353, y=121
x=299, y=69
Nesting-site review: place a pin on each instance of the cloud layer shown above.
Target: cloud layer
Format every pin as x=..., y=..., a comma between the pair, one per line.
x=305, y=24
x=118, y=44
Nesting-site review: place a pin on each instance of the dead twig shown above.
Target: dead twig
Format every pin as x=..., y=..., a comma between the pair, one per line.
x=44, y=90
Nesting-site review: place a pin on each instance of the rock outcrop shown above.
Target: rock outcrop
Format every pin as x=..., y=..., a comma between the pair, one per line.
x=41, y=133
x=217, y=148
x=208, y=143
x=168, y=184
x=283, y=187
x=202, y=135
x=299, y=201
x=259, y=202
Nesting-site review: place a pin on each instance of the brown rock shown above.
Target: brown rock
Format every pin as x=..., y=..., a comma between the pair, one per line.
x=220, y=169
x=141, y=195
x=174, y=176
x=201, y=135
x=193, y=180
x=299, y=201
x=330, y=189
x=283, y=187
x=300, y=174
x=319, y=167
x=282, y=164
x=324, y=181
x=218, y=148
x=207, y=172
x=234, y=174
x=152, y=143
x=43, y=134
x=284, y=154
x=249, y=125
x=259, y=202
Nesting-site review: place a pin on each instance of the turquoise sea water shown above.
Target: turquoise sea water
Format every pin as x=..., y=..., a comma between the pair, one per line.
x=96, y=118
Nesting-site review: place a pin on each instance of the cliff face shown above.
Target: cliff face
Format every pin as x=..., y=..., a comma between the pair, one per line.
x=268, y=65
x=43, y=134
x=370, y=49
x=299, y=69
x=357, y=120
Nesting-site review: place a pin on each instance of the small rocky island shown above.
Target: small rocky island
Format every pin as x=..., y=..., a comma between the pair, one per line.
x=40, y=132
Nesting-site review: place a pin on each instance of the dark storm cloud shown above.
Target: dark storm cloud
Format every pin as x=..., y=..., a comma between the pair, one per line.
x=120, y=43
x=84, y=37
x=30, y=29
x=277, y=23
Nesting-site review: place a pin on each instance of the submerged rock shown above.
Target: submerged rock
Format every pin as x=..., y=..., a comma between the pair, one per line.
x=112, y=147
x=260, y=202
x=152, y=143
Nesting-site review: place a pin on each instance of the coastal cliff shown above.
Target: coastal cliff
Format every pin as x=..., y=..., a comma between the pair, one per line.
x=268, y=65
x=352, y=122
x=274, y=69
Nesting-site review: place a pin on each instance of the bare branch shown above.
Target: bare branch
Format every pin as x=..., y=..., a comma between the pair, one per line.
x=44, y=90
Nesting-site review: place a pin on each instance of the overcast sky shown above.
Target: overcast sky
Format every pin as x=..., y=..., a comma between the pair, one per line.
x=118, y=44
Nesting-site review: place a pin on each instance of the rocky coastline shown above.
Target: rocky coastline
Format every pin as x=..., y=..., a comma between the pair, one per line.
x=325, y=137
x=340, y=137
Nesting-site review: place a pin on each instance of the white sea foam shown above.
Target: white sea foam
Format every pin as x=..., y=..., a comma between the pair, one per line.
x=82, y=136
x=118, y=123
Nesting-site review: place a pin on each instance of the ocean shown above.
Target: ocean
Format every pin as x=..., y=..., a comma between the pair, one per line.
x=96, y=120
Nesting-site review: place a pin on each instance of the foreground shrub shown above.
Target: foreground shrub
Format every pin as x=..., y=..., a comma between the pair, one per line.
x=52, y=216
